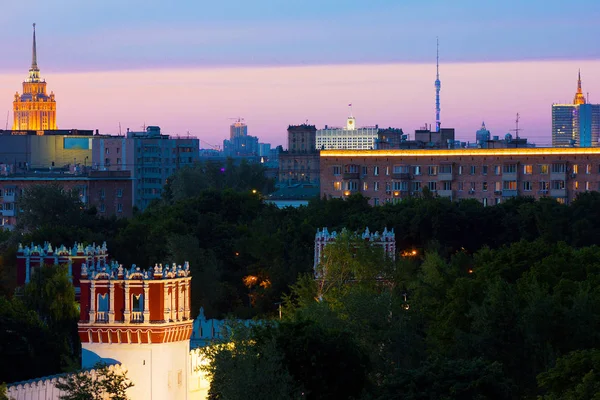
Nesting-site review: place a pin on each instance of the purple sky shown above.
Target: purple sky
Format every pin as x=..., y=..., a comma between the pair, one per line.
x=192, y=66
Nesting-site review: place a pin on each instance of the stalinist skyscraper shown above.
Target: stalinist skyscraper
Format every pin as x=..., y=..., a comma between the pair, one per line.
x=34, y=109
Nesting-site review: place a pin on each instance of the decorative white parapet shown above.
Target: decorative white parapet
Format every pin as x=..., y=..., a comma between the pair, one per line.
x=386, y=239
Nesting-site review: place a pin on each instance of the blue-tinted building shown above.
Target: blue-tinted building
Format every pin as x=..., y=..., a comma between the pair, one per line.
x=151, y=157
x=588, y=125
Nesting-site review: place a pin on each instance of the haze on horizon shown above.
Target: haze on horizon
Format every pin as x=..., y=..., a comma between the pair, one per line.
x=191, y=67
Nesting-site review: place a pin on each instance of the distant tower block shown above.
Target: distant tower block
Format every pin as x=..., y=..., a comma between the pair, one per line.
x=142, y=320
x=34, y=109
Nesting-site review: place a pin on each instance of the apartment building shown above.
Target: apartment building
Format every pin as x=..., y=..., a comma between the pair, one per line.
x=488, y=175
x=109, y=191
x=151, y=157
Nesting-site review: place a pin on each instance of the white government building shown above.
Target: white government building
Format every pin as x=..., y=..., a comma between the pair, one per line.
x=349, y=137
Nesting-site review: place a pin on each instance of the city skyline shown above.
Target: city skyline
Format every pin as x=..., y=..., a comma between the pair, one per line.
x=387, y=86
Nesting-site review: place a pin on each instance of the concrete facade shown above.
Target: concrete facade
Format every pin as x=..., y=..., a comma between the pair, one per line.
x=490, y=176
x=150, y=157
x=300, y=163
x=45, y=149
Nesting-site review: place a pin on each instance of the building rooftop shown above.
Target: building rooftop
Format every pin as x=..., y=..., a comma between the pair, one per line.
x=522, y=151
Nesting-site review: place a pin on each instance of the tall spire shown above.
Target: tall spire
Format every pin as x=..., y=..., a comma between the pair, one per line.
x=438, y=86
x=34, y=52
x=579, y=97
x=34, y=72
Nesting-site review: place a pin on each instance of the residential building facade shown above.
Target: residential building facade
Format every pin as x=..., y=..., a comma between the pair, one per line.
x=109, y=191
x=150, y=156
x=488, y=175
x=300, y=164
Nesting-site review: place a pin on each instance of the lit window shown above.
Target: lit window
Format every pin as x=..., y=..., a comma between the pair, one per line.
x=509, y=185
x=528, y=169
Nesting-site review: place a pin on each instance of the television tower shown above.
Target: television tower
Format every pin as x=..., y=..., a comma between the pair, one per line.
x=438, y=86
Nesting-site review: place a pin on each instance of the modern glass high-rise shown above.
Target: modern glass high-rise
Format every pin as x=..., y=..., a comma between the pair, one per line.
x=576, y=124
x=564, y=132
x=589, y=125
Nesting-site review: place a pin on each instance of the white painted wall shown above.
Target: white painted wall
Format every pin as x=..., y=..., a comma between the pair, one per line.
x=158, y=371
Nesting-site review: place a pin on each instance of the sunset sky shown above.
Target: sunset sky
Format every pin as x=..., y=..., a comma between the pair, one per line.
x=191, y=66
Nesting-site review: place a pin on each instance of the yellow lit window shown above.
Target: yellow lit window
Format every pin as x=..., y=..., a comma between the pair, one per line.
x=575, y=168
x=337, y=185
x=543, y=168
x=528, y=169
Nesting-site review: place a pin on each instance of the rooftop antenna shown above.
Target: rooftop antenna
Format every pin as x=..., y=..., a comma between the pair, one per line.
x=438, y=86
x=6, y=127
x=517, y=129
x=119, y=129
x=350, y=108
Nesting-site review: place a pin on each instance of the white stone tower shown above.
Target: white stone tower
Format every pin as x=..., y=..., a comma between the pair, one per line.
x=142, y=320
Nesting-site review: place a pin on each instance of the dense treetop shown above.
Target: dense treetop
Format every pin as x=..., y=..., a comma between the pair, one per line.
x=496, y=302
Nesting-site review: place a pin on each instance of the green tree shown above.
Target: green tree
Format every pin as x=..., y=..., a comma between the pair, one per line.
x=33, y=348
x=242, y=368
x=48, y=206
x=449, y=379
x=3, y=390
x=50, y=293
x=575, y=376
x=287, y=360
x=101, y=383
